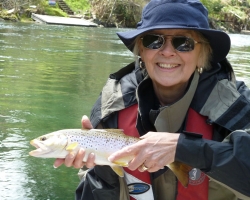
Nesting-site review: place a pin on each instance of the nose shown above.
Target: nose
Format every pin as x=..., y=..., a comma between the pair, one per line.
x=167, y=49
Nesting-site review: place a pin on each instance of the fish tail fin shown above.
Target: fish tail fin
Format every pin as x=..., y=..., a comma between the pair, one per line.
x=181, y=171
x=118, y=170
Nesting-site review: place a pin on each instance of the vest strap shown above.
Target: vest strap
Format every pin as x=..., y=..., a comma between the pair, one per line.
x=198, y=181
x=139, y=183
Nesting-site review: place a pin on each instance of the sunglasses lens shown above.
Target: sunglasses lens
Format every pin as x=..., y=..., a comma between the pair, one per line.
x=183, y=44
x=152, y=41
x=180, y=43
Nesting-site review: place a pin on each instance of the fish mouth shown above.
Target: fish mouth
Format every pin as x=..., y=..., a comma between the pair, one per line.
x=40, y=149
x=33, y=143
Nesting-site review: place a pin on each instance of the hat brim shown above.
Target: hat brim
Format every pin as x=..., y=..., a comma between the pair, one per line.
x=219, y=41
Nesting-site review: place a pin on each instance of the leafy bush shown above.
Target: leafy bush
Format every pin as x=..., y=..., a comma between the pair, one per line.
x=213, y=6
x=78, y=6
x=236, y=11
x=51, y=10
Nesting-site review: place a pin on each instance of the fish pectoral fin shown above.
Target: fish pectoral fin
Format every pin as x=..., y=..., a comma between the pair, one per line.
x=118, y=170
x=181, y=171
x=123, y=161
x=73, y=146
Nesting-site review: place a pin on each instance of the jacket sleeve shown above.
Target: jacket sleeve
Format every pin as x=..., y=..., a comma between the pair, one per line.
x=99, y=183
x=227, y=162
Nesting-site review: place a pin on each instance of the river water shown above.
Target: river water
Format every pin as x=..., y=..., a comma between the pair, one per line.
x=49, y=77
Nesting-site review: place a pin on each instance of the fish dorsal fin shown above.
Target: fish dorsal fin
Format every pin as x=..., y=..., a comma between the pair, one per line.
x=85, y=129
x=181, y=171
x=72, y=146
x=118, y=170
x=119, y=131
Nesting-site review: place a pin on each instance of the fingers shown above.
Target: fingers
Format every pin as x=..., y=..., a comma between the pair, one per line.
x=130, y=151
x=78, y=159
x=137, y=162
x=152, y=168
x=58, y=162
x=86, y=122
x=69, y=159
x=90, y=161
x=75, y=159
x=154, y=150
x=143, y=168
x=124, y=152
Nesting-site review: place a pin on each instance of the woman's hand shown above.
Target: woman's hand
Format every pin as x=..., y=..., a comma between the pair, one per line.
x=154, y=151
x=75, y=158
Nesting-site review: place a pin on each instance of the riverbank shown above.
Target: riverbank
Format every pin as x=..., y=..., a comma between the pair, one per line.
x=246, y=32
x=50, y=77
x=54, y=20
x=229, y=20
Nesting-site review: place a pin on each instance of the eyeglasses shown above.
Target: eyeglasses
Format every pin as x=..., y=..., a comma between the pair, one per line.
x=180, y=43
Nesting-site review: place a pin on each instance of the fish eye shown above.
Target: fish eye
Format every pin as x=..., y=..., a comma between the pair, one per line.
x=43, y=138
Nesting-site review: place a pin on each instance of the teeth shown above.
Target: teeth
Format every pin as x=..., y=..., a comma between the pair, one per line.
x=166, y=66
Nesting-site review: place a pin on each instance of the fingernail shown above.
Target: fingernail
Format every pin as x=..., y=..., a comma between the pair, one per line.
x=82, y=151
x=71, y=155
x=110, y=158
x=54, y=166
x=91, y=155
x=84, y=117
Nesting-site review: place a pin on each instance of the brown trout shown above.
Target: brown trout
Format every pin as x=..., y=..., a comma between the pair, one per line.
x=101, y=142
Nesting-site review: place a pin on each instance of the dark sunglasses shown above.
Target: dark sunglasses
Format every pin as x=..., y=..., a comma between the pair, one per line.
x=180, y=43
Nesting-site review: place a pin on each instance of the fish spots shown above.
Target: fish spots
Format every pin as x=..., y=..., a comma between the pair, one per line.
x=99, y=140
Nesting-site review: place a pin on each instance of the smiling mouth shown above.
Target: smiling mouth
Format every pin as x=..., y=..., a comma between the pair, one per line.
x=167, y=66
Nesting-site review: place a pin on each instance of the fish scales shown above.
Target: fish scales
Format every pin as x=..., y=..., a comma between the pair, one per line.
x=101, y=142
x=98, y=140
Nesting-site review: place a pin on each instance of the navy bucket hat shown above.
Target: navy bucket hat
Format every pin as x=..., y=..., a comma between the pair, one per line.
x=178, y=14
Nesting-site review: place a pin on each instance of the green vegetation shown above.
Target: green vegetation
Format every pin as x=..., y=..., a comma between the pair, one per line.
x=79, y=6
x=232, y=15
x=7, y=16
x=119, y=13
x=51, y=10
x=217, y=8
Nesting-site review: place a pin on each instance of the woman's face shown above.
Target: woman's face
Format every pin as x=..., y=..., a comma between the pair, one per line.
x=166, y=66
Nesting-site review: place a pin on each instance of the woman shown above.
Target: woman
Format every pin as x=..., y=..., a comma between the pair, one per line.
x=182, y=99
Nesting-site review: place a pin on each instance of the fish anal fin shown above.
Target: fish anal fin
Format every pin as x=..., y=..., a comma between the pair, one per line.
x=118, y=170
x=181, y=171
x=73, y=146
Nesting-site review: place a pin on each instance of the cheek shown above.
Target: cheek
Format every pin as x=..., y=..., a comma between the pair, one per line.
x=147, y=55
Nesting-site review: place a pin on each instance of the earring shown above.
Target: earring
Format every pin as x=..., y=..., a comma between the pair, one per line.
x=142, y=64
x=200, y=70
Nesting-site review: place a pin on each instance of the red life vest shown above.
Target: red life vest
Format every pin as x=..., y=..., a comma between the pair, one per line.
x=198, y=184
